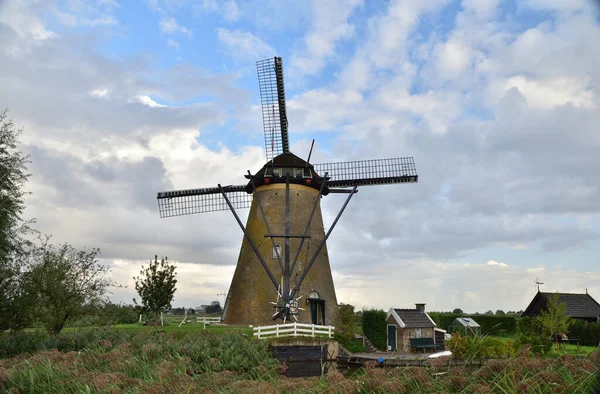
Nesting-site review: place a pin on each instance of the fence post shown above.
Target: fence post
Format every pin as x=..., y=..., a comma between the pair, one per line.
x=277, y=330
x=295, y=330
x=313, y=330
x=329, y=331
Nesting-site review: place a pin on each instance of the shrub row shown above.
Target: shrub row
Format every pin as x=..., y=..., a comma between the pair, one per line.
x=588, y=333
x=483, y=346
x=490, y=324
x=374, y=327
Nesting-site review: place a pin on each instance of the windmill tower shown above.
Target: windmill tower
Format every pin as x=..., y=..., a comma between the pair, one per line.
x=283, y=269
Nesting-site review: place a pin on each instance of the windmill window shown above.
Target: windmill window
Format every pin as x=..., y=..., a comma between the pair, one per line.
x=269, y=171
x=313, y=294
x=276, y=251
x=299, y=173
x=306, y=173
x=277, y=171
x=288, y=171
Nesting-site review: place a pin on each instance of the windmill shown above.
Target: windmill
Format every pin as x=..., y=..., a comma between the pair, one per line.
x=283, y=261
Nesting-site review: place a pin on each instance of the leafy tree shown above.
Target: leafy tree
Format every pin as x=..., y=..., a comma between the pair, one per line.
x=500, y=312
x=13, y=175
x=156, y=286
x=553, y=319
x=64, y=281
x=490, y=312
x=345, y=323
x=457, y=311
x=216, y=308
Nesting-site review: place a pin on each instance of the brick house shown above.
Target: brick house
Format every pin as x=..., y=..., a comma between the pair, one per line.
x=404, y=324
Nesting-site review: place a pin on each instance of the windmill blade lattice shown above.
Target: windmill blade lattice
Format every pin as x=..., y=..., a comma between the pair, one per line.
x=274, y=113
x=369, y=172
x=191, y=201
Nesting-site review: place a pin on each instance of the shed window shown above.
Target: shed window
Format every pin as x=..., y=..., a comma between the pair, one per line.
x=288, y=171
x=276, y=251
x=418, y=333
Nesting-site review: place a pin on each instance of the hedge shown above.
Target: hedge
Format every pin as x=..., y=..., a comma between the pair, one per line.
x=588, y=333
x=374, y=327
x=490, y=324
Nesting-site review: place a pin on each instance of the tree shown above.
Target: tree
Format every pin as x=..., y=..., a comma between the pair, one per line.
x=345, y=325
x=553, y=318
x=500, y=312
x=64, y=281
x=216, y=308
x=156, y=286
x=13, y=175
x=457, y=311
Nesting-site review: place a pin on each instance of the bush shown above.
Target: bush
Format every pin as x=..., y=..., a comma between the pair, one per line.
x=539, y=345
x=459, y=345
x=588, y=333
x=527, y=326
x=374, y=327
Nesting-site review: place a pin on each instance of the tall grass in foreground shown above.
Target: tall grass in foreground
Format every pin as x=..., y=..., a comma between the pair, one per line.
x=230, y=363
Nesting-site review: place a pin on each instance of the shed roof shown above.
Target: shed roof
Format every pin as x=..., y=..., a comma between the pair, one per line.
x=467, y=322
x=413, y=318
x=578, y=305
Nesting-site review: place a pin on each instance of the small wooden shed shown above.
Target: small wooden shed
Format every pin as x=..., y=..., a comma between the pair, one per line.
x=404, y=324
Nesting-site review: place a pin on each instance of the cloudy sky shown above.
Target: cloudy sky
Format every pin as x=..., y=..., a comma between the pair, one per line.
x=497, y=101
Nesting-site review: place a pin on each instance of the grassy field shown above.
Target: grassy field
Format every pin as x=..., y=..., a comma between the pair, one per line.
x=187, y=328
x=125, y=360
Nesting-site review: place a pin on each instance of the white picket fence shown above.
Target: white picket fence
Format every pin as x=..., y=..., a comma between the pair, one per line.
x=293, y=330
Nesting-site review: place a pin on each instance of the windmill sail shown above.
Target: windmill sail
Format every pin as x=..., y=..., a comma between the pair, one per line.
x=272, y=98
x=369, y=172
x=190, y=201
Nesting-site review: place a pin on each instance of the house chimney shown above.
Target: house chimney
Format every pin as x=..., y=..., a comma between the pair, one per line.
x=420, y=307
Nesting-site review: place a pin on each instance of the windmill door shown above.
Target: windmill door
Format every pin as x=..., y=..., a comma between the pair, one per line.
x=317, y=308
x=391, y=335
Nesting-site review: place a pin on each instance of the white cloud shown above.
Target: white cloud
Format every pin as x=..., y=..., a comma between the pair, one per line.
x=102, y=93
x=173, y=43
x=550, y=93
x=168, y=25
x=228, y=9
x=330, y=25
x=244, y=44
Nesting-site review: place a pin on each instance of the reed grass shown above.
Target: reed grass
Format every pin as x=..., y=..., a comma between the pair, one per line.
x=115, y=361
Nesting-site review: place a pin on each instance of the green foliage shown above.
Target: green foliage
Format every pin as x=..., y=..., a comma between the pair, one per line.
x=457, y=311
x=480, y=346
x=553, y=318
x=64, y=281
x=344, y=323
x=505, y=325
x=14, y=305
x=588, y=333
x=156, y=286
x=527, y=326
x=108, y=314
x=539, y=345
x=374, y=327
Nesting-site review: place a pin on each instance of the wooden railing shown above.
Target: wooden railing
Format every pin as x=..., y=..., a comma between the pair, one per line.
x=293, y=330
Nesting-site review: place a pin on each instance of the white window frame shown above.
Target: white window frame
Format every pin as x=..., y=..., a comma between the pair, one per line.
x=418, y=333
x=277, y=246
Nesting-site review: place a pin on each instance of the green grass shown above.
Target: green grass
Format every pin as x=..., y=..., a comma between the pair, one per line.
x=187, y=328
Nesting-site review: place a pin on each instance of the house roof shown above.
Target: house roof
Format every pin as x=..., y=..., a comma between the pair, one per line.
x=578, y=305
x=412, y=318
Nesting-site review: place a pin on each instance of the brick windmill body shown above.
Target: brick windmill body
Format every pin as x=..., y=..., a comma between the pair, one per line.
x=283, y=269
